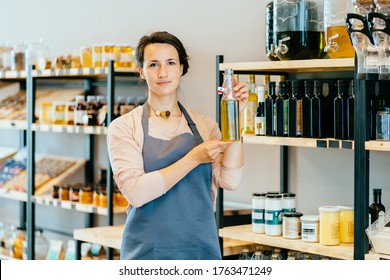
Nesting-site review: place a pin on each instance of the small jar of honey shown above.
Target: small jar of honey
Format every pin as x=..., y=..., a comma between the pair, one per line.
x=86, y=195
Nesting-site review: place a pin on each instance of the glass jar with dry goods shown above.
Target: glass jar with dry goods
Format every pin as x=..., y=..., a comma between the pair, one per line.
x=46, y=112
x=86, y=57
x=86, y=195
x=18, y=57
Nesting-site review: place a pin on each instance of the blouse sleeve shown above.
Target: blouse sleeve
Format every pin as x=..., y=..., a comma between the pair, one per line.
x=124, y=140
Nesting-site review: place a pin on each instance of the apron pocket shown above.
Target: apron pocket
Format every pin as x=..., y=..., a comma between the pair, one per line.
x=178, y=254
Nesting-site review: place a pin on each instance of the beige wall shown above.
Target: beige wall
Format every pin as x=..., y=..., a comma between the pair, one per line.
x=207, y=28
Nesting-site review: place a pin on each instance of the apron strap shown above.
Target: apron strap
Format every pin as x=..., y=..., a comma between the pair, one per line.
x=191, y=124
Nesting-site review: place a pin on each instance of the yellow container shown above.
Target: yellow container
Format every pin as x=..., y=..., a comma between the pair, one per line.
x=346, y=224
x=329, y=225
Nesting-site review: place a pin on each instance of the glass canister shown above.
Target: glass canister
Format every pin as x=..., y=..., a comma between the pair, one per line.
x=382, y=6
x=269, y=31
x=17, y=57
x=288, y=202
x=346, y=224
x=338, y=43
x=383, y=124
x=329, y=225
x=273, y=214
x=258, y=204
x=299, y=29
x=363, y=7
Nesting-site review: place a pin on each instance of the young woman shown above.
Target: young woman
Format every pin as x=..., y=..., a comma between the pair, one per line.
x=168, y=161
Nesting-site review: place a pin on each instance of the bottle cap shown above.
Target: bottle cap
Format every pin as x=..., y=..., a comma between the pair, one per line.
x=261, y=92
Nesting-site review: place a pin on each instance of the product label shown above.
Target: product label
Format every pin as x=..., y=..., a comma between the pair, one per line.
x=258, y=216
x=289, y=210
x=285, y=116
x=335, y=231
x=273, y=217
x=260, y=126
x=310, y=232
x=299, y=117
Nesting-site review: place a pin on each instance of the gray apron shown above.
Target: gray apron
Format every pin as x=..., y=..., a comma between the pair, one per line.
x=179, y=225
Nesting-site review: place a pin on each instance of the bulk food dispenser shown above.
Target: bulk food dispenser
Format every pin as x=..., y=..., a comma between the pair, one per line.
x=299, y=29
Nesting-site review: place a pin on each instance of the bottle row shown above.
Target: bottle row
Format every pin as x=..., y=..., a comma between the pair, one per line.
x=269, y=253
x=298, y=108
x=274, y=214
x=39, y=54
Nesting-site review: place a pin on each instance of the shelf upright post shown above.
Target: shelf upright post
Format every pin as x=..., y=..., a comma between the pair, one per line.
x=110, y=117
x=361, y=170
x=219, y=202
x=30, y=212
x=22, y=204
x=283, y=169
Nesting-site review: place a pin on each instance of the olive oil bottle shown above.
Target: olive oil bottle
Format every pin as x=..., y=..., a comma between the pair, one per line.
x=230, y=122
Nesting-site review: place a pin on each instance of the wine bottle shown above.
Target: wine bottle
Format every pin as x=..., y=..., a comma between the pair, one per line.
x=269, y=110
x=250, y=108
x=317, y=111
x=306, y=111
x=329, y=108
x=281, y=103
x=293, y=109
x=340, y=111
x=260, y=116
x=376, y=209
x=351, y=113
x=230, y=123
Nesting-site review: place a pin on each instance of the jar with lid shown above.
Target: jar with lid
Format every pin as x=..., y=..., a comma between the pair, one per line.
x=305, y=257
x=363, y=7
x=292, y=225
x=58, y=112
x=92, y=110
x=6, y=57
x=257, y=255
x=258, y=204
x=103, y=198
x=291, y=256
x=41, y=246
x=245, y=254
x=288, y=202
x=16, y=243
x=109, y=52
x=86, y=195
x=383, y=124
x=97, y=51
x=299, y=29
x=125, y=56
x=276, y=254
x=96, y=195
x=74, y=190
x=55, y=191
x=64, y=192
x=329, y=225
x=119, y=199
x=338, y=43
x=86, y=57
x=273, y=214
x=346, y=224
x=46, y=112
x=69, y=112
x=382, y=6
x=18, y=57
x=80, y=110
x=310, y=228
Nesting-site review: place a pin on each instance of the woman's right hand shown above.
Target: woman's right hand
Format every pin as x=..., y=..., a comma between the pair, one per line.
x=208, y=151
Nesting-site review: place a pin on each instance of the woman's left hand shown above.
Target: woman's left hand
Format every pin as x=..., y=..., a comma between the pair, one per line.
x=241, y=91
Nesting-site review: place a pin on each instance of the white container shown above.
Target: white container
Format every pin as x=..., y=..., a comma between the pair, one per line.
x=258, y=204
x=288, y=202
x=292, y=225
x=310, y=228
x=273, y=214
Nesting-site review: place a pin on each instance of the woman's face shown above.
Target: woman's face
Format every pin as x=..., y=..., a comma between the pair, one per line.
x=162, y=69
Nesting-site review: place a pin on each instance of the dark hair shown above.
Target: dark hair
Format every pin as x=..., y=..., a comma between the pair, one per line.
x=162, y=37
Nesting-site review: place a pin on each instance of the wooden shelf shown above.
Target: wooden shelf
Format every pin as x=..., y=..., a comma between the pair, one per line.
x=298, y=142
x=293, y=66
x=375, y=256
x=77, y=129
x=6, y=257
x=378, y=145
x=87, y=208
x=244, y=233
x=13, y=195
x=72, y=72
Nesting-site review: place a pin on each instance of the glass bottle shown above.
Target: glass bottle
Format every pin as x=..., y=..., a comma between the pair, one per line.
x=276, y=254
x=18, y=57
x=269, y=109
x=317, y=111
x=244, y=255
x=229, y=110
x=80, y=110
x=340, y=111
x=305, y=257
x=294, y=113
x=257, y=255
x=338, y=43
x=291, y=255
x=299, y=29
x=281, y=103
x=250, y=108
x=376, y=209
x=260, y=116
x=306, y=109
x=269, y=31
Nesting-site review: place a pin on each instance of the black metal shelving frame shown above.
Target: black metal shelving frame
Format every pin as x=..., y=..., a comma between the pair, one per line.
x=361, y=159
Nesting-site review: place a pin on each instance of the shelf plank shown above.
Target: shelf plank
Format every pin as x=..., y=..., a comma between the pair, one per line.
x=378, y=145
x=293, y=66
x=244, y=233
x=285, y=141
x=375, y=256
x=13, y=195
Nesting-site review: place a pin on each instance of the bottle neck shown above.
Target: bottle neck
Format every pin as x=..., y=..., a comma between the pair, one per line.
x=377, y=198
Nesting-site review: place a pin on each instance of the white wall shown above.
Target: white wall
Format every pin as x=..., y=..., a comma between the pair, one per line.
x=207, y=28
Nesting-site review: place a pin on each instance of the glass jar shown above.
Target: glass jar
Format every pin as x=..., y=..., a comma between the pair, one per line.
x=103, y=198
x=58, y=112
x=288, y=202
x=55, y=192
x=6, y=57
x=86, y=195
x=292, y=225
x=18, y=57
x=64, y=192
x=119, y=199
x=382, y=6
x=74, y=190
x=363, y=7
x=16, y=243
x=258, y=204
x=310, y=228
x=244, y=255
x=125, y=56
x=45, y=113
x=276, y=254
x=346, y=224
x=97, y=55
x=273, y=214
x=80, y=111
x=257, y=255
x=299, y=29
x=41, y=246
x=86, y=57
x=383, y=124
x=109, y=52
x=338, y=43
x=69, y=112
x=329, y=225
x=96, y=195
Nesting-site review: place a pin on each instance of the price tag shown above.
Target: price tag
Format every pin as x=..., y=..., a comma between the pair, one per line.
x=66, y=205
x=84, y=208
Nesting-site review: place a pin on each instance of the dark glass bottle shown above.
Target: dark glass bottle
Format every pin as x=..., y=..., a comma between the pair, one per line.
x=317, y=111
x=260, y=116
x=376, y=209
x=341, y=111
x=269, y=109
x=329, y=108
x=293, y=109
x=281, y=109
x=351, y=113
x=306, y=109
